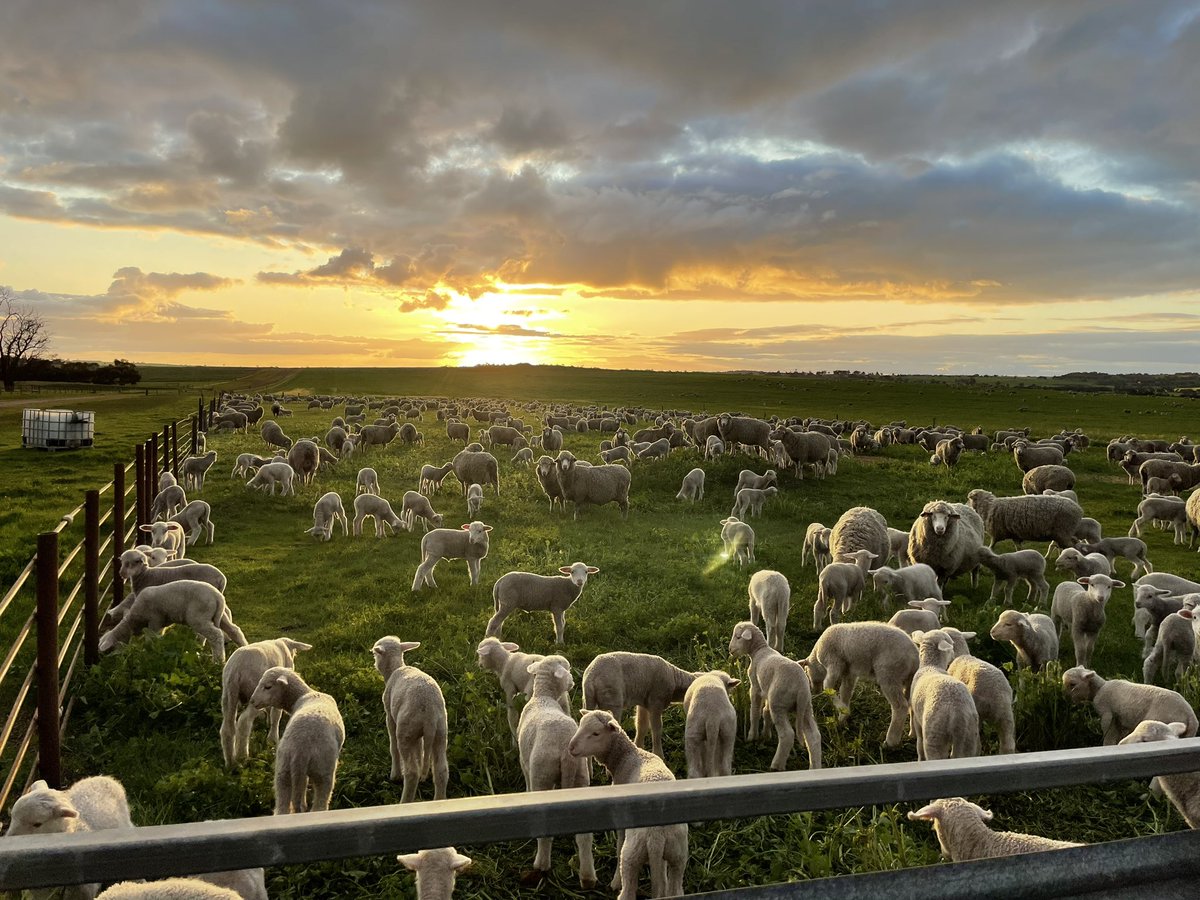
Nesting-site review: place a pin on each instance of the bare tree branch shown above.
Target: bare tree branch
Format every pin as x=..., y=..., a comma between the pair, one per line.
x=23, y=337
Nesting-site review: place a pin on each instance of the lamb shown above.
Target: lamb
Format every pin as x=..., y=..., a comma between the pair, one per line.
x=167, y=502
x=944, y=719
x=915, y=582
x=169, y=889
x=745, y=431
x=747, y=478
x=273, y=436
x=274, y=473
x=713, y=447
x=693, y=486
x=415, y=504
x=416, y=719
x=1183, y=788
x=711, y=726
x=534, y=593
x=859, y=528
x=310, y=746
x=615, y=681
x=476, y=467
x=1192, y=511
x=655, y=450
x=1174, y=584
x=1123, y=704
x=1027, y=518
x=751, y=500
x=594, y=484
x=779, y=687
x=194, y=468
x=922, y=615
x=1034, y=636
x=195, y=519
x=898, y=547
x=1020, y=565
x=469, y=544
x=963, y=834
x=770, y=596
x=169, y=536
x=1157, y=603
x=166, y=480
x=848, y=651
x=512, y=669
x=662, y=847
x=1069, y=494
x=367, y=482
x=1040, y=479
x=1155, y=508
x=816, y=541
x=738, y=538
x=1145, y=629
x=136, y=569
x=947, y=452
x=543, y=737
x=1174, y=646
x=547, y=476
x=196, y=604
x=433, y=476
x=1165, y=487
x=326, y=511
x=1082, y=610
x=247, y=462
x=616, y=454
x=375, y=507
x=839, y=585
x=436, y=870
x=242, y=673
x=1080, y=564
x=988, y=685
x=523, y=457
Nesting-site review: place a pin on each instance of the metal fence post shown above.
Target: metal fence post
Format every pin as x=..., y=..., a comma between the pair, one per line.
x=174, y=449
x=118, y=527
x=199, y=413
x=139, y=481
x=166, y=450
x=151, y=476
x=195, y=435
x=91, y=578
x=49, y=749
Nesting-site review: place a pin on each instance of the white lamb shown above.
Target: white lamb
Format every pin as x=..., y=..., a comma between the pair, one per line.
x=770, y=597
x=242, y=673
x=816, y=542
x=416, y=505
x=512, y=669
x=618, y=680
x=469, y=544
x=416, y=719
x=988, y=685
x=839, y=586
x=963, y=833
x=1033, y=636
x=914, y=582
x=1123, y=704
x=738, y=538
x=1183, y=788
x=367, y=481
x=922, y=615
x=436, y=870
x=693, y=486
x=945, y=721
x=1080, y=606
x=531, y=592
x=474, y=499
x=711, y=726
x=196, y=604
x=375, y=507
x=327, y=511
x=274, y=473
x=751, y=500
x=169, y=536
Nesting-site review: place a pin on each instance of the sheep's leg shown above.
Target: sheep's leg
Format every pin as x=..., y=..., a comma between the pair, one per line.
x=496, y=622
x=787, y=737
x=273, y=733
x=655, y=717
x=560, y=625
x=216, y=640
x=895, y=697
x=244, y=725
x=918, y=733
x=641, y=724
x=393, y=747
x=615, y=884
x=441, y=769
x=322, y=790
x=755, y=709
x=473, y=571
x=633, y=854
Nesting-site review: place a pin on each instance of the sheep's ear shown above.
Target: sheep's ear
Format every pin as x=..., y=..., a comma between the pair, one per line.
x=916, y=636
x=917, y=604
x=282, y=679
x=560, y=671
x=745, y=635
x=487, y=527
x=297, y=646
x=732, y=683
x=531, y=668
x=1179, y=728
x=566, y=570
x=510, y=646
x=984, y=814
x=871, y=555
x=38, y=786
x=460, y=862
x=405, y=646
x=145, y=528
x=928, y=813
x=924, y=515
x=967, y=635
x=1118, y=584
x=1085, y=580
x=466, y=527
x=592, y=570
x=409, y=860
x=66, y=811
x=875, y=571
x=942, y=603
x=945, y=645
x=612, y=725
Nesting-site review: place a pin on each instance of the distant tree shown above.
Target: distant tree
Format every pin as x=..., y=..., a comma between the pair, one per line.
x=122, y=371
x=23, y=337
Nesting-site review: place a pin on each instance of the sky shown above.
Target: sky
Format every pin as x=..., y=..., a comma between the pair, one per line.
x=1006, y=187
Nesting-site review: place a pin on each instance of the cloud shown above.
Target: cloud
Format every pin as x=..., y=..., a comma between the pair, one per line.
x=430, y=300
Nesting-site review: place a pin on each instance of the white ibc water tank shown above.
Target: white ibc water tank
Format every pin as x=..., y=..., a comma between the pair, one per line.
x=57, y=429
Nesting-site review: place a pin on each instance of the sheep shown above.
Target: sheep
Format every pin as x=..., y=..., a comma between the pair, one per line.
x=274, y=473
x=1020, y=565
x=416, y=719
x=1033, y=636
x=922, y=615
x=1174, y=646
x=415, y=504
x=988, y=685
x=807, y=448
x=714, y=447
x=327, y=511
x=544, y=734
x=963, y=835
x=247, y=462
x=779, y=687
x=470, y=543
x=1156, y=508
x=1192, y=511
x=744, y=430
x=656, y=450
x=1029, y=456
x=662, y=847
x=195, y=519
x=535, y=593
x=310, y=746
x=738, y=540
x=1069, y=494
x=247, y=884
x=436, y=870
x=170, y=889
x=947, y=452
x=169, y=536
x=476, y=467
x=196, y=604
x=135, y=568
x=1027, y=518
x=1079, y=605
x=167, y=502
x=1173, y=584
x=1123, y=704
x=747, y=478
x=512, y=669
x=945, y=722
x=693, y=486
x=474, y=500
x=242, y=672
x=616, y=454
x=432, y=477
x=751, y=500
x=367, y=482
x=523, y=457
x=194, y=468
x=305, y=458
x=1157, y=603
x=897, y=547
x=458, y=431
x=1080, y=564
x=770, y=596
x=377, y=435
x=816, y=541
x=595, y=484
x=1145, y=629
x=711, y=725
x=839, y=585
x=1166, y=487
x=377, y=508
x=1182, y=788
x=859, y=528
x=848, y=651
x=166, y=480
x=547, y=476
x=914, y=582
x=273, y=436
x=1040, y=479
x=615, y=681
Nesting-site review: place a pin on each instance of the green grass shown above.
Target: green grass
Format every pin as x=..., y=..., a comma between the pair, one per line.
x=149, y=714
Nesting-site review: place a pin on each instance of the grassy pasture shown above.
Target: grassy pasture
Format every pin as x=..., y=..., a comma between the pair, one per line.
x=150, y=713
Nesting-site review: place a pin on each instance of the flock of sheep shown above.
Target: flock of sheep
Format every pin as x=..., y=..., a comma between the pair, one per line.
x=923, y=668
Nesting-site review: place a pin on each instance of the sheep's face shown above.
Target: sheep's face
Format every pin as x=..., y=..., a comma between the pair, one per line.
x=43, y=811
x=742, y=640
x=1068, y=559
x=723, y=421
x=1100, y=587
x=1079, y=684
x=934, y=648
x=1145, y=595
x=596, y=730
x=133, y=562
x=1008, y=626
x=270, y=689
x=1150, y=730
x=578, y=572
x=939, y=811
x=477, y=532
x=939, y=516
x=882, y=578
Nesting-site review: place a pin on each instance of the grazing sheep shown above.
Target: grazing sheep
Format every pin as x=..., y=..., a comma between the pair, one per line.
x=617, y=454
x=1033, y=636
x=848, y=651
x=922, y=615
x=663, y=847
x=1040, y=479
x=167, y=502
x=988, y=685
x=915, y=582
x=1027, y=518
x=693, y=486
x=713, y=447
x=839, y=586
x=1174, y=645
x=1080, y=564
x=243, y=670
x=547, y=476
x=512, y=669
x=1123, y=704
x=476, y=467
x=711, y=725
x=247, y=462
x=747, y=478
x=738, y=538
x=543, y=737
x=194, y=468
x=415, y=504
x=770, y=597
x=1079, y=605
x=1020, y=565
x=779, y=687
x=963, y=833
x=273, y=436
x=196, y=604
x=136, y=569
x=310, y=746
x=375, y=507
x=416, y=719
x=166, y=480
x=377, y=435
x=655, y=450
x=1166, y=487
x=751, y=500
x=474, y=500
x=944, y=719
x=859, y=528
x=367, y=482
x=596, y=485
x=326, y=511
x=1183, y=788
x=458, y=431
x=523, y=457
x=274, y=473
x=432, y=477
x=618, y=680
x=538, y=593
x=469, y=544
x=816, y=541
x=1156, y=508
x=195, y=519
